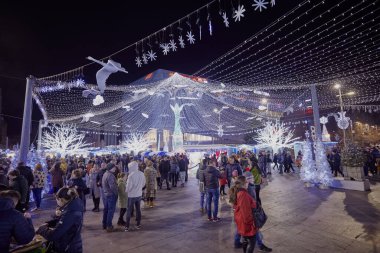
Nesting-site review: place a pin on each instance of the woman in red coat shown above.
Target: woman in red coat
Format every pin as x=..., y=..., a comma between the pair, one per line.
x=243, y=205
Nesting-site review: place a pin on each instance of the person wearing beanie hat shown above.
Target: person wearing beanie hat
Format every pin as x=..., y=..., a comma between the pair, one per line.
x=110, y=192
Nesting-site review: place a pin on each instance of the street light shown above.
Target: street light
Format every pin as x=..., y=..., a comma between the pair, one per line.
x=340, y=95
x=265, y=102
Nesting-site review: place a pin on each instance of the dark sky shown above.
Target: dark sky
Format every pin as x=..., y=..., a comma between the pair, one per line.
x=44, y=39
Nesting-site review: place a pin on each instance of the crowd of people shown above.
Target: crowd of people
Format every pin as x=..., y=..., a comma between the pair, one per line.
x=124, y=181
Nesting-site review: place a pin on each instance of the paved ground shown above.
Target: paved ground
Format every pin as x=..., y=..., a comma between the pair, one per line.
x=300, y=220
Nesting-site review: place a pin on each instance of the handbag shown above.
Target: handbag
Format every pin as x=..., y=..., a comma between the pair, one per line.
x=260, y=216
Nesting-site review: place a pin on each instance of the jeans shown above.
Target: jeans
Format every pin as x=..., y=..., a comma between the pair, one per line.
x=202, y=202
x=131, y=203
x=182, y=176
x=166, y=179
x=37, y=192
x=249, y=244
x=212, y=194
x=259, y=239
x=173, y=178
x=109, y=210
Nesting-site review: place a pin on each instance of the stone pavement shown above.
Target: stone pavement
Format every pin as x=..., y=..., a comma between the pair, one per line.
x=300, y=220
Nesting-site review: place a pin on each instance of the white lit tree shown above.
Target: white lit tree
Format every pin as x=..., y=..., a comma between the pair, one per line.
x=323, y=167
x=308, y=171
x=136, y=142
x=63, y=139
x=276, y=136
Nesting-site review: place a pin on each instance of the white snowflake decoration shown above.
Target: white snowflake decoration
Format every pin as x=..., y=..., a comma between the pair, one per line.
x=190, y=37
x=165, y=48
x=79, y=82
x=138, y=61
x=151, y=55
x=343, y=121
x=145, y=59
x=225, y=19
x=239, y=13
x=260, y=5
x=220, y=130
x=173, y=45
x=273, y=2
x=181, y=42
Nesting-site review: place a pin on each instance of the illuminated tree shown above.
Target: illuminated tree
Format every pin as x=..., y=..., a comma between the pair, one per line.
x=136, y=142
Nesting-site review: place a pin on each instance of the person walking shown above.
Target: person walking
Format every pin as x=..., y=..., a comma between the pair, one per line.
x=18, y=183
x=121, y=183
x=200, y=177
x=57, y=175
x=151, y=183
x=243, y=204
x=27, y=173
x=110, y=192
x=135, y=183
x=211, y=179
x=77, y=182
x=182, y=170
x=164, y=169
x=38, y=185
x=94, y=187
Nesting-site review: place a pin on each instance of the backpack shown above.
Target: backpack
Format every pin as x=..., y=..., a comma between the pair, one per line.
x=259, y=216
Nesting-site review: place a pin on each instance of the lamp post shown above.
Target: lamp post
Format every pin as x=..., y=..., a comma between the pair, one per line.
x=340, y=95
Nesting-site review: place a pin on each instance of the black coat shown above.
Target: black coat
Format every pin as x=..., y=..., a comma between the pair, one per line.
x=13, y=224
x=164, y=168
x=27, y=172
x=65, y=231
x=211, y=178
x=21, y=185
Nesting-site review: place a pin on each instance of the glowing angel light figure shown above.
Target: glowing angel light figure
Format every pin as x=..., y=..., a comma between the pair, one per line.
x=108, y=68
x=177, y=134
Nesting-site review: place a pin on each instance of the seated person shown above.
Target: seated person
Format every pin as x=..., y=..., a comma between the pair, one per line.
x=12, y=222
x=64, y=232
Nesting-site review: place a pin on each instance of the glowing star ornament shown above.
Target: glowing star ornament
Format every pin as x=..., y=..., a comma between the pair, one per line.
x=181, y=41
x=63, y=139
x=190, y=37
x=225, y=19
x=136, y=142
x=259, y=5
x=87, y=117
x=151, y=55
x=98, y=100
x=138, y=61
x=239, y=13
x=173, y=45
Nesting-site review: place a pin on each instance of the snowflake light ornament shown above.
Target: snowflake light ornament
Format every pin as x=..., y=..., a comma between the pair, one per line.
x=273, y=2
x=239, y=13
x=151, y=55
x=165, y=48
x=260, y=5
x=173, y=45
x=138, y=61
x=225, y=19
x=80, y=82
x=145, y=59
x=190, y=37
x=181, y=42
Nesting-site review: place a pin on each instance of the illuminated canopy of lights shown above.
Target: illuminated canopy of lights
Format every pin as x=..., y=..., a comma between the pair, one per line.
x=317, y=42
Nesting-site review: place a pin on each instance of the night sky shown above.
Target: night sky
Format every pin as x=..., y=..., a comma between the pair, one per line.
x=45, y=39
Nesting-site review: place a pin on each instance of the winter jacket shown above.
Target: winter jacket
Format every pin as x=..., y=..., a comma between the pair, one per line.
x=164, y=168
x=210, y=178
x=243, y=214
x=182, y=165
x=135, y=183
x=26, y=171
x=39, y=178
x=57, y=177
x=223, y=178
x=13, y=224
x=123, y=199
x=95, y=189
x=109, y=185
x=79, y=185
x=231, y=167
x=151, y=182
x=65, y=231
x=21, y=185
x=174, y=167
x=200, y=172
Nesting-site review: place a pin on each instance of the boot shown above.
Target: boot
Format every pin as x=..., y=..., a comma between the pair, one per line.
x=151, y=204
x=121, y=222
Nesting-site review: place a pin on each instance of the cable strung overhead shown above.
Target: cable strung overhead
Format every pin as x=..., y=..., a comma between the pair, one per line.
x=318, y=42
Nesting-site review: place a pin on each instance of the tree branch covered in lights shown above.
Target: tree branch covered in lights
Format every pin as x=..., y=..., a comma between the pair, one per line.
x=63, y=139
x=136, y=142
x=275, y=136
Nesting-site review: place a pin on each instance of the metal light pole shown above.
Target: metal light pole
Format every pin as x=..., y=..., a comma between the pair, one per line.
x=26, y=121
x=314, y=100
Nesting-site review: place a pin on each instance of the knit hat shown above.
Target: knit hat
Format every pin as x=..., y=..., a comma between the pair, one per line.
x=110, y=166
x=247, y=174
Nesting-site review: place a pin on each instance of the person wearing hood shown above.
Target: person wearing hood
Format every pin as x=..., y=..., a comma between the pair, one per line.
x=13, y=224
x=135, y=183
x=110, y=192
x=211, y=180
x=64, y=232
x=18, y=183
